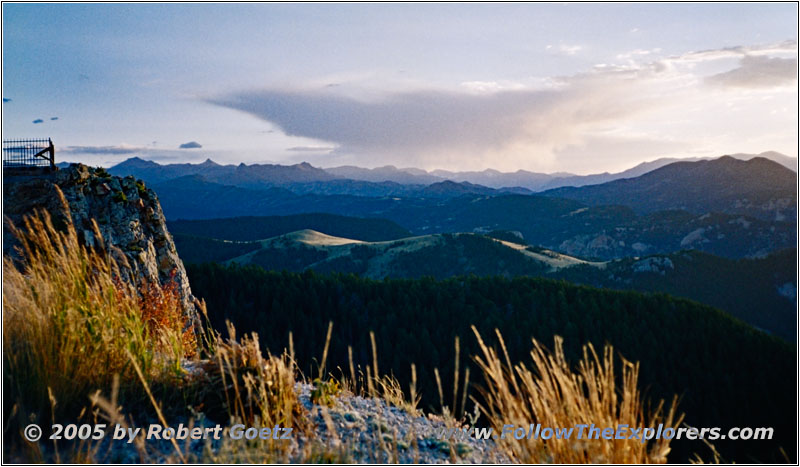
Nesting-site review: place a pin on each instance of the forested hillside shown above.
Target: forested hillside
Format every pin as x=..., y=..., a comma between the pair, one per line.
x=759, y=291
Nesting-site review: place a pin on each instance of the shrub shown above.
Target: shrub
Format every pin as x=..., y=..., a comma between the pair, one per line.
x=324, y=391
x=120, y=197
x=101, y=172
x=141, y=189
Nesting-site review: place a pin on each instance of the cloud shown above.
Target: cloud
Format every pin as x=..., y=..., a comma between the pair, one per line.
x=564, y=49
x=491, y=86
x=113, y=154
x=637, y=53
x=445, y=127
x=6, y=99
x=311, y=149
x=645, y=102
x=758, y=71
x=788, y=48
x=38, y=120
x=190, y=145
x=570, y=49
x=757, y=66
x=105, y=150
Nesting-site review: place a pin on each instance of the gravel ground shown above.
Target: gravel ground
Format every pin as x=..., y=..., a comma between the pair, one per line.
x=373, y=431
x=353, y=429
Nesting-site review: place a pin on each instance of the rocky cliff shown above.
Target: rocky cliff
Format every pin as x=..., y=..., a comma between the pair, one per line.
x=127, y=213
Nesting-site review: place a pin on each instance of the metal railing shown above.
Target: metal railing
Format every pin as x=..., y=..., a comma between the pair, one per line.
x=24, y=153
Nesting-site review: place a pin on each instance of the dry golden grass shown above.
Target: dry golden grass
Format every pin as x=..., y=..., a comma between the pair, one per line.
x=73, y=330
x=259, y=390
x=551, y=394
x=250, y=387
x=236, y=385
x=70, y=324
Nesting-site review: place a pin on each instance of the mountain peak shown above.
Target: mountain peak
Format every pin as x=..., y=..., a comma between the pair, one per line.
x=757, y=187
x=757, y=161
x=449, y=187
x=137, y=162
x=726, y=159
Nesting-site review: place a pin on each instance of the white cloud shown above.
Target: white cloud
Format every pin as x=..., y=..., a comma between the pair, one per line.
x=311, y=148
x=785, y=47
x=492, y=86
x=564, y=49
x=437, y=128
x=104, y=150
x=637, y=53
x=570, y=49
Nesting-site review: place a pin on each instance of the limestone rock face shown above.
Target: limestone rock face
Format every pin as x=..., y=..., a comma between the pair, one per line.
x=127, y=213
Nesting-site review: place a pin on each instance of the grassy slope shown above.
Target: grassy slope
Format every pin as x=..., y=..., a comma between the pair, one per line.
x=258, y=228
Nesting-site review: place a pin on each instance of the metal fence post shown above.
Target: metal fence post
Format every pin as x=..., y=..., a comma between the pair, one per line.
x=52, y=154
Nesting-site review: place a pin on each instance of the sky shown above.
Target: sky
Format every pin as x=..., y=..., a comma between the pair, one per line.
x=575, y=87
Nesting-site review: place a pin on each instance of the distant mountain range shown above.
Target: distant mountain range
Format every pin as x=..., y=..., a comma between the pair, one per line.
x=531, y=180
x=299, y=178
x=757, y=187
x=726, y=207
x=242, y=175
x=388, y=180
x=645, y=167
x=565, y=225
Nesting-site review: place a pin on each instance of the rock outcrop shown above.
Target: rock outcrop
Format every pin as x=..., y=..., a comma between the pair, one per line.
x=127, y=213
